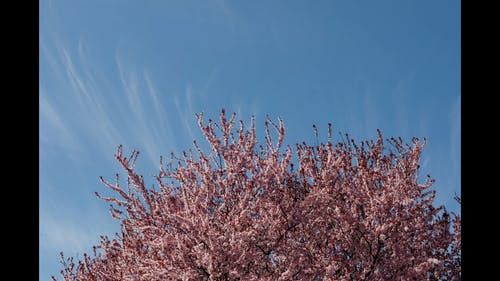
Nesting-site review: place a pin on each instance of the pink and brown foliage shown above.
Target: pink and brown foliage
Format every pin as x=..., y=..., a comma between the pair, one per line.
x=343, y=211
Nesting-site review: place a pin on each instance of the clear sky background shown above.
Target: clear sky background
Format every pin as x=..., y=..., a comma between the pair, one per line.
x=135, y=72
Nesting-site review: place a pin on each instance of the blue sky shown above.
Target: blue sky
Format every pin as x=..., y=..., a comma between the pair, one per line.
x=135, y=72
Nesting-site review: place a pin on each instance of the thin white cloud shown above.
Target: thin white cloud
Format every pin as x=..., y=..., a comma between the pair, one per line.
x=154, y=95
x=178, y=107
x=87, y=101
x=164, y=130
x=211, y=78
x=65, y=235
x=145, y=128
x=53, y=129
x=49, y=57
x=73, y=76
x=91, y=110
x=185, y=111
x=129, y=83
x=49, y=116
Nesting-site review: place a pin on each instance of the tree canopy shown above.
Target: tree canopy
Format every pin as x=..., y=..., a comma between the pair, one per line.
x=341, y=210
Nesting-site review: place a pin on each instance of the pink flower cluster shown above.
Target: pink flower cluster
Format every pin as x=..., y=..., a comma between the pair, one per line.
x=244, y=211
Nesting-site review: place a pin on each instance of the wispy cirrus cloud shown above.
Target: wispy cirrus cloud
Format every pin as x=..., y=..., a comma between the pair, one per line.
x=211, y=78
x=88, y=117
x=107, y=114
x=84, y=99
x=52, y=124
x=91, y=112
x=47, y=57
x=66, y=234
x=145, y=116
x=184, y=106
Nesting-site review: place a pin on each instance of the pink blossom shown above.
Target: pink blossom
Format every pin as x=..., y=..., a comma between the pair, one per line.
x=239, y=212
